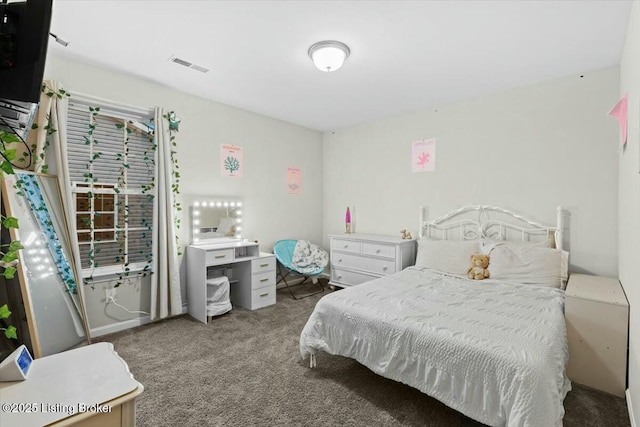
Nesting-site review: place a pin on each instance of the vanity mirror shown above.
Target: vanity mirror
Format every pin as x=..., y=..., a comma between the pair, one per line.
x=215, y=220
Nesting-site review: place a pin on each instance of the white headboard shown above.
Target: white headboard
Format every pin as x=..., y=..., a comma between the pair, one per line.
x=490, y=222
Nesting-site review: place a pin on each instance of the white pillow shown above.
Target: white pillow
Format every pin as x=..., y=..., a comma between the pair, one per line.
x=447, y=256
x=487, y=244
x=530, y=265
x=224, y=228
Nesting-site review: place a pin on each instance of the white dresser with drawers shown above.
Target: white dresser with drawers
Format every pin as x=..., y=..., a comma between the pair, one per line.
x=251, y=274
x=358, y=258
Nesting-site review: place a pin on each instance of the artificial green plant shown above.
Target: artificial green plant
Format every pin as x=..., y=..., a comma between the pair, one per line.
x=9, y=251
x=174, y=124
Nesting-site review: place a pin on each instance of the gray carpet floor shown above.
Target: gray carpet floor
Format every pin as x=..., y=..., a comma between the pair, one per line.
x=244, y=369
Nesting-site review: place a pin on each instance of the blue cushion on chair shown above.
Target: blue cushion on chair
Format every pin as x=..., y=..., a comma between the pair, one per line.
x=311, y=259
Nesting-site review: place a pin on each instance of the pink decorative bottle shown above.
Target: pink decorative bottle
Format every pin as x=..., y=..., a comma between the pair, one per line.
x=347, y=221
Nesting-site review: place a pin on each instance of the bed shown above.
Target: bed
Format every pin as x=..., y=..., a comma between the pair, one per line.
x=494, y=349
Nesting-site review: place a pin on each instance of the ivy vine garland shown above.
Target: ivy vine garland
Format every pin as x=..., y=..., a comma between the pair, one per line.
x=174, y=123
x=9, y=271
x=9, y=251
x=123, y=205
x=89, y=179
x=41, y=157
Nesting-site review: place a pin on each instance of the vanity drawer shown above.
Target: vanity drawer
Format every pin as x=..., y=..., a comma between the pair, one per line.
x=349, y=278
x=263, y=264
x=377, y=266
x=220, y=256
x=261, y=280
x=346, y=245
x=377, y=249
x=263, y=297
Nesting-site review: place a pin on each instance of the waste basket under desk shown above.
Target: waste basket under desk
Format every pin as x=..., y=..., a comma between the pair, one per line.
x=60, y=390
x=597, y=318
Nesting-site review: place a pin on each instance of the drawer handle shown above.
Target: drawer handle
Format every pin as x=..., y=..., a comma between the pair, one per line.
x=264, y=265
x=377, y=251
x=220, y=256
x=384, y=268
x=339, y=277
x=346, y=246
x=264, y=295
x=264, y=280
x=340, y=260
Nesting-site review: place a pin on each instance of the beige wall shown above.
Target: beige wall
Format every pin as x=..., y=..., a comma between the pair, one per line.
x=270, y=146
x=629, y=202
x=529, y=149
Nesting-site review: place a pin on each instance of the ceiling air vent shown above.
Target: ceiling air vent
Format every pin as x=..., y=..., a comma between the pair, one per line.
x=188, y=64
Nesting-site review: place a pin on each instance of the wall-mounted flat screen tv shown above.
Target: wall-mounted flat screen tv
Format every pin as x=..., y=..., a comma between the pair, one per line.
x=24, y=36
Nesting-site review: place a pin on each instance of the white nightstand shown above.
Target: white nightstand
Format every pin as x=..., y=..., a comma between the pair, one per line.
x=86, y=386
x=597, y=316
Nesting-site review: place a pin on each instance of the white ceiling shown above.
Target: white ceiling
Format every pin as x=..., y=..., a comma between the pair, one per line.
x=405, y=55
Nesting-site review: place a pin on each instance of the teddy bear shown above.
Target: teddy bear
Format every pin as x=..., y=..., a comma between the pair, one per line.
x=232, y=231
x=479, y=265
x=405, y=234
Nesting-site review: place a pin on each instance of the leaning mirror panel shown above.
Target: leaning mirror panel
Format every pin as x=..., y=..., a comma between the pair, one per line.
x=52, y=299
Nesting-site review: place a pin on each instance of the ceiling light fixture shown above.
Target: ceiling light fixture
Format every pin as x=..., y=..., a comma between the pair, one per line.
x=328, y=55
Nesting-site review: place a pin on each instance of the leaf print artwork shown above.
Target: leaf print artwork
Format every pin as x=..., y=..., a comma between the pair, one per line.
x=231, y=164
x=231, y=160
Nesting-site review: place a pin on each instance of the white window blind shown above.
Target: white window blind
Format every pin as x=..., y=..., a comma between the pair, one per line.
x=111, y=165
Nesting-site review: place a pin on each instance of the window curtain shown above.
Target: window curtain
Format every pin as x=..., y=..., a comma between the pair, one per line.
x=50, y=156
x=166, y=299
x=51, y=111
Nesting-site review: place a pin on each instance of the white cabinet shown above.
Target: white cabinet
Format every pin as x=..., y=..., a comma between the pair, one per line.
x=252, y=275
x=86, y=386
x=358, y=258
x=597, y=318
x=262, y=281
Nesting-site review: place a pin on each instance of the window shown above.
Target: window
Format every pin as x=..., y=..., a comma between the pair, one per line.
x=111, y=166
x=99, y=210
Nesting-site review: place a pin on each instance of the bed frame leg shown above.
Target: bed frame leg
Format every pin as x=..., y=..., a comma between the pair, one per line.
x=312, y=361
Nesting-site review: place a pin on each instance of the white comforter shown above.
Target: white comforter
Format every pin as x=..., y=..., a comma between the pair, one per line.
x=494, y=351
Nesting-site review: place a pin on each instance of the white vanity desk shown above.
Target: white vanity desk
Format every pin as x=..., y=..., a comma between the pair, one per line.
x=251, y=273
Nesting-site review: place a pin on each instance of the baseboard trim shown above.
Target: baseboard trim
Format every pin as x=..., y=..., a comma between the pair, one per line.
x=120, y=326
x=630, y=407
